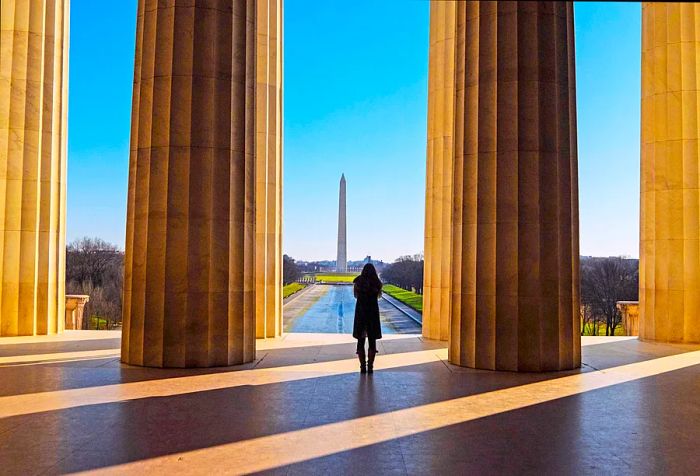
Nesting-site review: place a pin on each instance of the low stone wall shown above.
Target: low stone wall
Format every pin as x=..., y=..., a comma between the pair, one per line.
x=75, y=304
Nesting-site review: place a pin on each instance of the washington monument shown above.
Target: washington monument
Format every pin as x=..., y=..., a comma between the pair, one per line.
x=342, y=261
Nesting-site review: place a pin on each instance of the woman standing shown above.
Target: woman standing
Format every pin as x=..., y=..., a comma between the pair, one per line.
x=367, y=290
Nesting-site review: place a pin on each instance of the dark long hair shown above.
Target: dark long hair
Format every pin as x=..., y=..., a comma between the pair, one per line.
x=368, y=281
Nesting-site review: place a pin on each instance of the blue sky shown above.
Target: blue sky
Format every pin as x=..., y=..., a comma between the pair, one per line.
x=355, y=103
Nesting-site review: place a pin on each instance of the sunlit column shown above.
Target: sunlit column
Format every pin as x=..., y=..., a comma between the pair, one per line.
x=438, y=205
x=669, y=268
x=268, y=172
x=515, y=285
x=189, y=288
x=33, y=110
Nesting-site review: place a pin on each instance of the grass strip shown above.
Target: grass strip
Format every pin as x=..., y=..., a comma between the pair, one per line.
x=409, y=298
x=292, y=288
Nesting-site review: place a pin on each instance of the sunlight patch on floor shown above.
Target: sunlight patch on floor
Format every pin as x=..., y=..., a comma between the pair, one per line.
x=269, y=452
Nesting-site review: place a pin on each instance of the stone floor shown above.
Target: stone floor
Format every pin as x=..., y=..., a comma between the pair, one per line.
x=67, y=405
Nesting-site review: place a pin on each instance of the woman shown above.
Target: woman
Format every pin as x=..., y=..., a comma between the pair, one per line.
x=367, y=290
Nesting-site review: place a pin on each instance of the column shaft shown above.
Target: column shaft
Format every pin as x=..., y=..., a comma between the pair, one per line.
x=515, y=224
x=438, y=205
x=189, y=286
x=268, y=169
x=33, y=110
x=669, y=267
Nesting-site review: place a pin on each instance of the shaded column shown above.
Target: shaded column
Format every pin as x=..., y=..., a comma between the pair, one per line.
x=438, y=203
x=189, y=287
x=268, y=171
x=33, y=110
x=515, y=285
x=669, y=266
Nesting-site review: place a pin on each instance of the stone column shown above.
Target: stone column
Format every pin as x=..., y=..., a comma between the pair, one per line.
x=268, y=172
x=75, y=305
x=33, y=108
x=669, y=266
x=515, y=257
x=438, y=202
x=189, y=284
x=630, y=316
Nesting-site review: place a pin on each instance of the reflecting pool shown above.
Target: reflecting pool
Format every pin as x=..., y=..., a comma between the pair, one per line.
x=331, y=309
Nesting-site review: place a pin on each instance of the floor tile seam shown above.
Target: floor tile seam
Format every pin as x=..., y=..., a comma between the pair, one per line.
x=445, y=363
x=118, y=359
x=12, y=427
x=307, y=406
x=53, y=468
x=260, y=361
x=596, y=369
x=623, y=460
x=400, y=442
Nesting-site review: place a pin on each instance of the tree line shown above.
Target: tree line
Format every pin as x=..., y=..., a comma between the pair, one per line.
x=96, y=268
x=604, y=282
x=406, y=272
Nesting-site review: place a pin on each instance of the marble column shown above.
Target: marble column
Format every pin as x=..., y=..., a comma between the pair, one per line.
x=189, y=284
x=514, y=241
x=669, y=267
x=268, y=169
x=438, y=202
x=33, y=110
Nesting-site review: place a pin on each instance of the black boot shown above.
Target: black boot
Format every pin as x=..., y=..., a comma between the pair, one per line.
x=363, y=363
x=370, y=361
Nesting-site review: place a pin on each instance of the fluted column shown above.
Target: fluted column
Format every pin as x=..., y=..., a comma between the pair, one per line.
x=438, y=203
x=515, y=225
x=189, y=296
x=669, y=268
x=33, y=109
x=268, y=172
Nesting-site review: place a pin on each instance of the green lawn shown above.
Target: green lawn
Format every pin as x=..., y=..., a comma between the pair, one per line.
x=588, y=330
x=97, y=323
x=409, y=298
x=336, y=277
x=292, y=288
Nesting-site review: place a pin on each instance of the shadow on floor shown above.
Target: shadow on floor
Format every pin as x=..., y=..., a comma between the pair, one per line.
x=86, y=373
x=579, y=427
x=648, y=426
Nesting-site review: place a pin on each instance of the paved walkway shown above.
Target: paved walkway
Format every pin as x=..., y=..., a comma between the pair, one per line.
x=406, y=310
x=302, y=408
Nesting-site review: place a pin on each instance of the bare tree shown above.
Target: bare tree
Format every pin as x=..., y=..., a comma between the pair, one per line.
x=96, y=268
x=604, y=281
x=406, y=272
x=91, y=259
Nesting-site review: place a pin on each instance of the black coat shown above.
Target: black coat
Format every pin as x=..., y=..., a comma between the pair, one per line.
x=366, y=312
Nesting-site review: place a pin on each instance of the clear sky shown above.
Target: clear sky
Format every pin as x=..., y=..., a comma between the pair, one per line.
x=355, y=95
